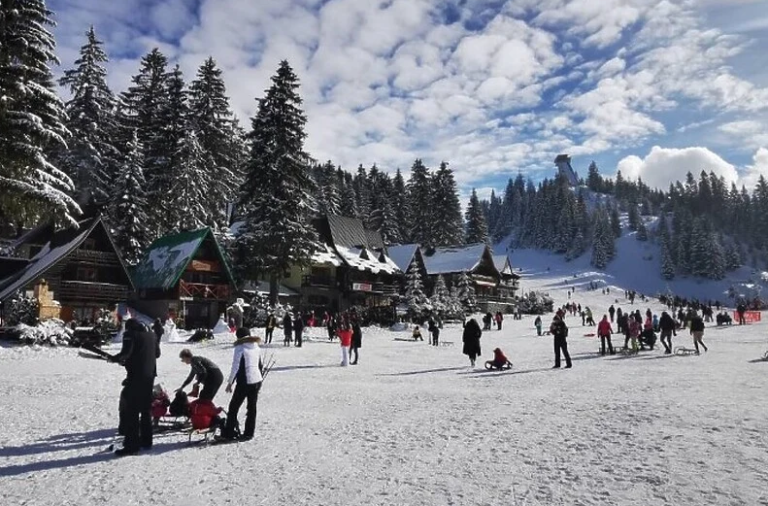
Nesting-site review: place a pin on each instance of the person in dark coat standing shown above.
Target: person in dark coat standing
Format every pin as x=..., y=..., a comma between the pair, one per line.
x=560, y=331
x=139, y=354
x=434, y=332
x=298, y=329
x=741, y=309
x=612, y=312
x=158, y=329
x=667, y=327
x=471, y=339
x=697, y=331
x=271, y=324
x=357, y=340
x=287, y=329
x=330, y=326
x=205, y=371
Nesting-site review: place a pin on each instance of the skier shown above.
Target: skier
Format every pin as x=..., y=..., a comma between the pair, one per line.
x=271, y=324
x=560, y=331
x=697, y=331
x=287, y=329
x=471, y=340
x=139, y=354
x=604, y=331
x=612, y=312
x=206, y=372
x=667, y=327
x=247, y=374
x=357, y=340
x=298, y=329
x=537, y=324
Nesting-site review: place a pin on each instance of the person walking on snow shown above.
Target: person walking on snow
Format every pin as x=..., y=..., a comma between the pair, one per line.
x=287, y=329
x=246, y=375
x=271, y=324
x=604, y=331
x=612, y=312
x=560, y=332
x=634, y=332
x=741, y=309
x=345, y=336
x=205, y=371
x=499, y=319
x=667, y=327
x=471, y=340
x=357, y=340
x=434, y=332
x=697, y=331
x=537, y=324
x=298, y=329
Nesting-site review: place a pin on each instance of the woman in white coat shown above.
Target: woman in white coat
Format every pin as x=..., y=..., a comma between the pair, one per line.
x=246, y=374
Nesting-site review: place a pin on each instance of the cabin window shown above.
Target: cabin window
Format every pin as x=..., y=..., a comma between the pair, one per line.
x=87, y=274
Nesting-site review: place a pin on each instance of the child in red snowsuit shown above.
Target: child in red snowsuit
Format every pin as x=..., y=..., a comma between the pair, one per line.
x=499, y=361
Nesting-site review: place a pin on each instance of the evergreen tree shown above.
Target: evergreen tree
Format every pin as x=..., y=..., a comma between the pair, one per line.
x=440, y=299
x=329, y=199
x=187, y=208
x=414, y=291
x=477, y=230
x=732, y=257
x=211, y=117
x=594, y=181
x=716, y=260
x=383, y=218
x=420, y=205
x=129, y=204
x=91, y=156
x=347, y=202
x=447, y=227
x=615, y=222
x=667, y=264
x=465, y=292
x=400, y=206
x=362, y=195
x=31, y=118
x=642, y=232
x=276, y=196
x=634, y=218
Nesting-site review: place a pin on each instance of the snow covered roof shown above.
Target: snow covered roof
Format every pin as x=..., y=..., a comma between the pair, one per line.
x=167, y=258
x=454, y=259
x=351, y=233
x=504, y=266
x=325, y=255
x=59, y=245
x=402, y=255
x=365, y=260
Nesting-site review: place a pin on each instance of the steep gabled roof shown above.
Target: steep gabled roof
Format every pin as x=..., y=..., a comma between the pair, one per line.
x=347, y=232
x=402, y=255
x=167, y=258
x=59, y=245
x=454, y=259
x=504, y=266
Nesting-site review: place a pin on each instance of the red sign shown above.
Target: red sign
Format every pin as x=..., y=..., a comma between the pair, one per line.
x=362, y=287
x=749, y=316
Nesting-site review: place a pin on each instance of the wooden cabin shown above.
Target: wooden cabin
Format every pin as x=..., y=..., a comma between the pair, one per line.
x=186, y=277
x=77, y=269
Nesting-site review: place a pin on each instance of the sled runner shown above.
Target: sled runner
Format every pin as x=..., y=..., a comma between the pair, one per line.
x=684, y=352
x=446, y=343
x=491, y=366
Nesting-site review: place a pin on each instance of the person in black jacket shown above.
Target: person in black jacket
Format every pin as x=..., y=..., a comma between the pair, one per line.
x=287, y=329
x=560, y=331
x=697, y=331
x=357, y=340
x=158, y=329
x=298, y=329
x=139, y=354
x=434, y=332
x=271, y=324
x=667, y=326
x=471, y=339
x=205, y=371
x=741, y=309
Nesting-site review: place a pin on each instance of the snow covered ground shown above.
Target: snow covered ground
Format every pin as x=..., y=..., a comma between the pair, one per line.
x=414, y=425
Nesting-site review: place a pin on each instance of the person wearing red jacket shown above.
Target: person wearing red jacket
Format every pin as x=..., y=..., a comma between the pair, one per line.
x=604, y=331
x=345, y=336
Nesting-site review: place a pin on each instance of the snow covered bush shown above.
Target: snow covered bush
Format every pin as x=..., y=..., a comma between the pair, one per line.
x=22, y=310
x=50, y=332
x=536, y=303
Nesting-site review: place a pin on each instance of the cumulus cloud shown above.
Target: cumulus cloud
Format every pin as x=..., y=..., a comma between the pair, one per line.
x=665, y=165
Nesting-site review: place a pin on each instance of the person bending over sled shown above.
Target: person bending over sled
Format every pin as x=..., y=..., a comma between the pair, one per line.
x=206, y=372
x=499, y=361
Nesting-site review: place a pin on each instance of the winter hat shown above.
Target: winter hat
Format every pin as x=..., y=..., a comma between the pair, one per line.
x=243, y=332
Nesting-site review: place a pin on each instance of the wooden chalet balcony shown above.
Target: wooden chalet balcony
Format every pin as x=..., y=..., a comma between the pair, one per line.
x=495, y=298
x=94, y=257
x=319, y=281
x=203, y=291
x=91, y=291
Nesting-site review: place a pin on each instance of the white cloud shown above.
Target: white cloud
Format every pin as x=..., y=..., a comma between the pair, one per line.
x=663, y=166
x=758, y=168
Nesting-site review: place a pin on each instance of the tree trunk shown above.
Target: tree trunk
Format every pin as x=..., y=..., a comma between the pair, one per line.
x=273, y=288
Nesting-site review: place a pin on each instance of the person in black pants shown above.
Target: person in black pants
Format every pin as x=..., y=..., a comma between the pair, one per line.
x=560, y=331
x=667, y=327
x=357, y=341
x=287, y=329
x=271, y=324
x=206, y=372
x=139, y=354
x=434, y=332
x=741, y=309
x=298, y=329
x=247, y=373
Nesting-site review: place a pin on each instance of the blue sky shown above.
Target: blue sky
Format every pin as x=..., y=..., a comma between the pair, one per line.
x=652, y=87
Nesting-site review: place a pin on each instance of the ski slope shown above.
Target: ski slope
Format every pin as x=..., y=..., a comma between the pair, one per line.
x=414, y=425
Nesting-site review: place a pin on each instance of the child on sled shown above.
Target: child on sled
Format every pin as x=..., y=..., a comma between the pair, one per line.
x=499, y=361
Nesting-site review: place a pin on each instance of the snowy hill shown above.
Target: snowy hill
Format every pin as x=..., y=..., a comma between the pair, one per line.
x=637, y=266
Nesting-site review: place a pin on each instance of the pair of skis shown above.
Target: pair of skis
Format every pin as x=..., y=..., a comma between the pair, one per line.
x=94, y=353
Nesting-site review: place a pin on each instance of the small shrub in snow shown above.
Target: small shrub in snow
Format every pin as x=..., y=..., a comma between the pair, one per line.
x=50, y=332
x=22, y=310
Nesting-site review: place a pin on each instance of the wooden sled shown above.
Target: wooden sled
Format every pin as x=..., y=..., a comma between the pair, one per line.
x=684, y=352
x=445, y=343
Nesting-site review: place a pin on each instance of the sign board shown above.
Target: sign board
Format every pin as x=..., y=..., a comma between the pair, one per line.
x=362, y=287
x=186, y=298
x=749, y=316
x=204, y=266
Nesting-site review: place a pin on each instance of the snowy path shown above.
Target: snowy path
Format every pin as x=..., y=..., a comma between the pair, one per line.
x=414, y=425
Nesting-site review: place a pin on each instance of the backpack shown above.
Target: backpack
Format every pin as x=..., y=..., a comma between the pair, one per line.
x=180, y=405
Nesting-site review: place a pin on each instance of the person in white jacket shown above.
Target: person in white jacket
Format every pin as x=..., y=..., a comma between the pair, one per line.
x=246, y=374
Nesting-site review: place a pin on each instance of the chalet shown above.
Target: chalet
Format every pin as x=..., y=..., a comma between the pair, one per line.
x=510, y=281
x=74, y=272
x=184, y=276
x=351, y=268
